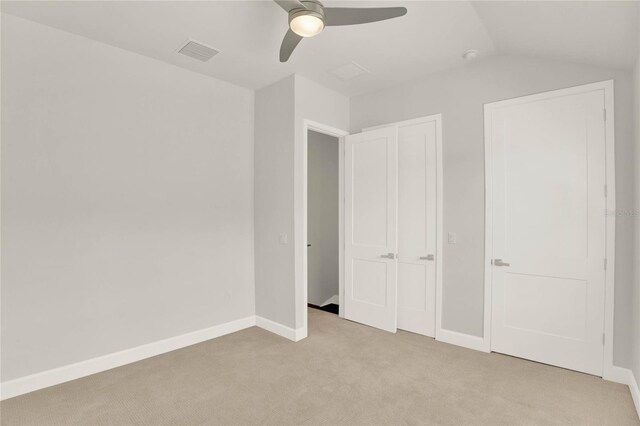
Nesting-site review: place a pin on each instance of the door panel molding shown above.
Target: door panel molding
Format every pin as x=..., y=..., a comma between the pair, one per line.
x=607, y=88
x=432, y=260
x=371, y=235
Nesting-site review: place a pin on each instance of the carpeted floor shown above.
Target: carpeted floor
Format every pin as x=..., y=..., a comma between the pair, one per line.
x=343, y=373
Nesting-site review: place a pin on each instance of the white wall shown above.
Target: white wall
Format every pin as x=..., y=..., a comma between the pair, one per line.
x=279, y=163
x=274, y=146
x=635, y=332
x=322, y=217
x=321, y=105
x=459, y=95
x=127, y=200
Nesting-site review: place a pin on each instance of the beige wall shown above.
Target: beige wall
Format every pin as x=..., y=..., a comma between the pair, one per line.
x=127, y=200
x=460, y=95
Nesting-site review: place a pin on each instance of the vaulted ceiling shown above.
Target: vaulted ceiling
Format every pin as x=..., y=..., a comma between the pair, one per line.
x=430, y=38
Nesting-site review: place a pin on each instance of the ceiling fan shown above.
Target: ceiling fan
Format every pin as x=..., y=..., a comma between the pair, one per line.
x=308, y=18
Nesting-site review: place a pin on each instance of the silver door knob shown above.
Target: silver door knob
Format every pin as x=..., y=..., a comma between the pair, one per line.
x=427, y=257
x=389, y=256
x=499, y=262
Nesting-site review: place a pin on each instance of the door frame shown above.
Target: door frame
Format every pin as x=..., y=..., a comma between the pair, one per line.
x=301, y=249
x=610, y=220
x=437, y=118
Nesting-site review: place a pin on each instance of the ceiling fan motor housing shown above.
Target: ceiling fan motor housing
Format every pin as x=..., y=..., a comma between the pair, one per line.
x=312, y=8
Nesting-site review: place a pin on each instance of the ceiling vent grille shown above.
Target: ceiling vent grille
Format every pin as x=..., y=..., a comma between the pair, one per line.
x=349, y=71
x=197, y=50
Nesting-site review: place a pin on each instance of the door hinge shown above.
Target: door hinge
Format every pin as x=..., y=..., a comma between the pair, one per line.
x=604, y=113
x=605, y=263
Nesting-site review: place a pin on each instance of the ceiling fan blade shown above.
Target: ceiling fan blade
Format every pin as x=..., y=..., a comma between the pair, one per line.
x=289, y=43
x=350, y=16
x=290, y=4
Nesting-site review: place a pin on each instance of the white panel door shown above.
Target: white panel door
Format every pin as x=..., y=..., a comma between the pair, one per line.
x=371, y=228
x=548, y=245
x=417, y=174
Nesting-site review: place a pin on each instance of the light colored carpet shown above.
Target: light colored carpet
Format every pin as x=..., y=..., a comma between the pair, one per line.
x=343, y=373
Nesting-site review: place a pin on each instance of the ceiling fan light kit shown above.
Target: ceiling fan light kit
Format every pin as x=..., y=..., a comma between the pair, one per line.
x=307, y=22
x=306, y=25
x=308, y=18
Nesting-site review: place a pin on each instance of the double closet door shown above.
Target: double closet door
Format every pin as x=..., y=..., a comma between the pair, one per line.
x=391, y=226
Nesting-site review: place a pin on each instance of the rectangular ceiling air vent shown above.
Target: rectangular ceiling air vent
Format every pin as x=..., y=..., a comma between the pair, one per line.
x=349, y=71
x=197, y=50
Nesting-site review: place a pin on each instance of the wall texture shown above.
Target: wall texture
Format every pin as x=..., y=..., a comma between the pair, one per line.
x=460, y=95
x=274, y=146
x=322, y=217
x=321, y=105
x=280, y=111
x=128, y=193
x=635, y=332
x=127, y=200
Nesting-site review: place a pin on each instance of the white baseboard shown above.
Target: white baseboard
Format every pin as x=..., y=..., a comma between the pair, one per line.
x=626, y=377
x=282, y=330
x=333, y=299
x=634, y=388
x=617, y=374
x=461, y=339
x=69, y=372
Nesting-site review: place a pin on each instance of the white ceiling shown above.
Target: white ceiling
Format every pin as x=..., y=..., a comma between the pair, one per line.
x=603, y=33
x=430, y=38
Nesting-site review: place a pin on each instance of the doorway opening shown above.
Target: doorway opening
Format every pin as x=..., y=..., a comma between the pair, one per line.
x=323, y=222
x=313, y=130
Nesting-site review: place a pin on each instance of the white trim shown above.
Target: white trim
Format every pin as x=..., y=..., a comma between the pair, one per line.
x=282, y=330
x=410, y=122
x=88, y=367
x=619, y=375
x=488, y=231
x=607, y=87
x=341, y=153
x=635, y=391
x=439, y=230
x=460, y=339
x=609, y=304
x=626, y=377
x=301, y=249
x=335, y=299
